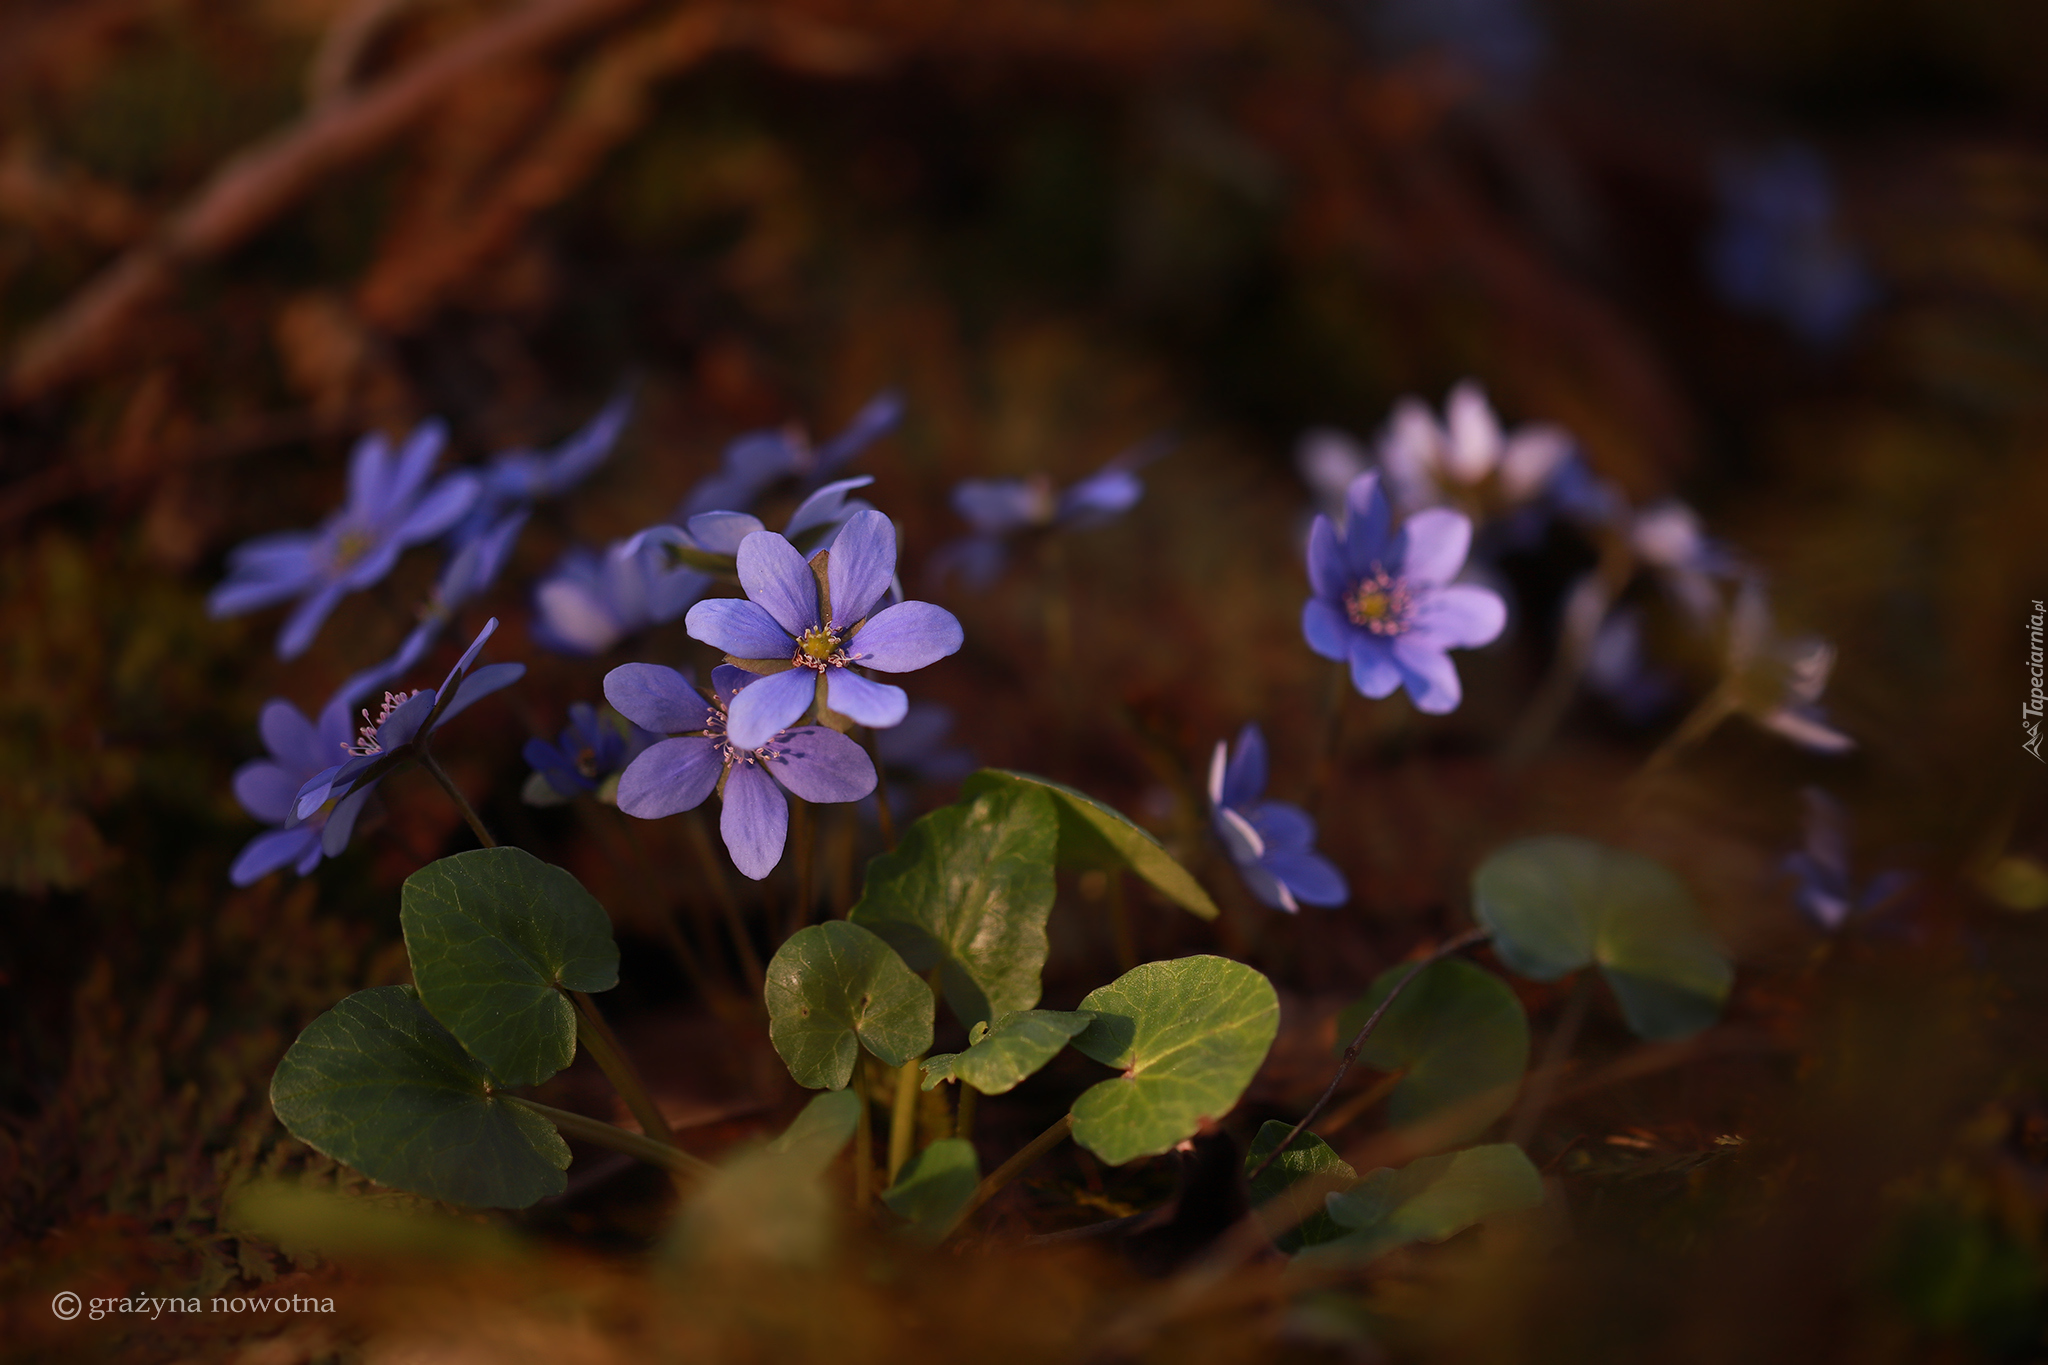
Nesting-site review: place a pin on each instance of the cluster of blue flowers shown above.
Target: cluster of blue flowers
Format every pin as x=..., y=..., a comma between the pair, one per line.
x=1779, y=251
x=1400, y=569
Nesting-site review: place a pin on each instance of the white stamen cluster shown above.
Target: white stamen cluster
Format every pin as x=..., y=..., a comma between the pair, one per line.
x=367, y=744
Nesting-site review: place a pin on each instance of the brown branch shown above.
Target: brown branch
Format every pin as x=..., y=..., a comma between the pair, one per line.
x=253, y=187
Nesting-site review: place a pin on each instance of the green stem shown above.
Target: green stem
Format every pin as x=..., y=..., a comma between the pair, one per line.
x=1002, y=1175
x=885, y=819
x=1714, y=708
x=603, y=1046
x=863, y=1140
x=476, y=824
x=903, y=1116
x=1464, y=940
x=1543, y=1080
x=802, y=836
x=963, y=1112
x=601, y=1134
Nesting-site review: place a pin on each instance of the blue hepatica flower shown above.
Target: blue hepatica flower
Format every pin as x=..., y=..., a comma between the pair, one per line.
x=405, y=722
x=758, y=460
x=299, y=749
x=1826, y=895
x=526, y=476
x=1468, y=455
x=807, y=638
x=1384, y=601
x=1272, y=842
x=469, y=572
x=710, y=541
x=1778, y=251
x=390, y=506
x=699, y=756
x=1001, y=509
x=590, y=752
x=591, y=602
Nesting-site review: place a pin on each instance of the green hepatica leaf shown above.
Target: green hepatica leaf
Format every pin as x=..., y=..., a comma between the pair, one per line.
x=1459, y=1035
x=1308, y=1156
x=1013, y=1048
x=1188, y=1035
x=1434, y=1198
x=495, y=936
x=1094, y=836
x=1556, y=904
x=933, y=1186
x=835, y=987
x=378, y=1083
x=968, y=891
x=767, y=1203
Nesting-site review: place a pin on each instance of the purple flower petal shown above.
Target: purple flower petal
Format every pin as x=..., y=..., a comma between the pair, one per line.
x=283, y=554
x=721, y=532
x=406, y=475
x=656, y=698
x=823, y=507
x=370, y=475
x=1100, y=498
x=1244, y=779
x=1428, y=673
x=1432, y=546
x=574, y=619
x=442, y=507
x=674, y=775
x=305, y=621
x=871, y=703
x=1327, y=631
x=755, y=820
x=999, y=506
x=405, y=722
x=822, y=765
x=270, y=850
x=265, y=790
x=875, y=420
x=1240, y=840
x=1311, y=877
x=1365, y=528
x=1372, y=666
x=1460, y=616
x=776, y=576
x=478, y=685
x=291, y=738
x=1327, y=575
x=905, y=637
x=370, y=567
x=249, y=592
x=739, y=628
x=1285, y=828
x=1269, y=889
x=313, y=792
x=469, y=655
x=770, y=706
x=341, y=821
x=727, y=680
x=862, y=563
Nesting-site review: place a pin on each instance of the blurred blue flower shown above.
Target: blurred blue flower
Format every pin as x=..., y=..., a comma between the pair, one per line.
x=389, y=507
x=590, y=603
x=404, y=723
x=806, y=637
x=1826, y=895
x=1467, y=459
x=516, y=479
x=1272, y=842
x=1384, y=601
x=299, y=748
x=710, y=541
x=1778, y=251
x=758, y=460
x=697, y=756
x=1617, y=670
x=999, y=509
x=1778, y=682
x=589, y=753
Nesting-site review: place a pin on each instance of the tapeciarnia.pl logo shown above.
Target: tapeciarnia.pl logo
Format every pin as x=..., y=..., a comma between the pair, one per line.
x=2037, y=701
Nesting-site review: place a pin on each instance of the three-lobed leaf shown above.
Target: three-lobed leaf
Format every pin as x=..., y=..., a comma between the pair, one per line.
x=379, y=1084
x=1459, y=1037
x=1188, y=1035
x=1557, y=903
x=496, y=936
x=1299, y=1178
x=832, y=989
x=1431, y=1199
x=969, y=891
x=1002, y=1054
x=1094, y=836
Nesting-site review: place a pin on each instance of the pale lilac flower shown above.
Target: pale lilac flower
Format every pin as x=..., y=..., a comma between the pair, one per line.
x=806, y=638
x=698, y=756
x=1466, y=455
x=389, y=507
x=266, y=787
x=1778, y=682
x=758, y=460
x=1271, y=842
x=1826, y=894
x=591, y=602
x=1384, y=601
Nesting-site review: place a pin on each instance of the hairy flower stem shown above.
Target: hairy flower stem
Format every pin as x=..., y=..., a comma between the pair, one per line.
x=993, y=1182
x=624, y=850
x=903, y=1116
x=714, y=877
x=863, y=1140
x=803, y=837
x=1443, y=950
x=1714, y=708
x=476, y=825
x=603, y=1046
x=601, y=1134
x=885, y=819
x=963, y=1112
x=1543, y=1080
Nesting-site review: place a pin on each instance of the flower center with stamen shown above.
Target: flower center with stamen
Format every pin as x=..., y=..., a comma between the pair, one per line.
x=351, y=545
x=1380, y=602
x=368, y=744
x=818, y=648
x=728, y=752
